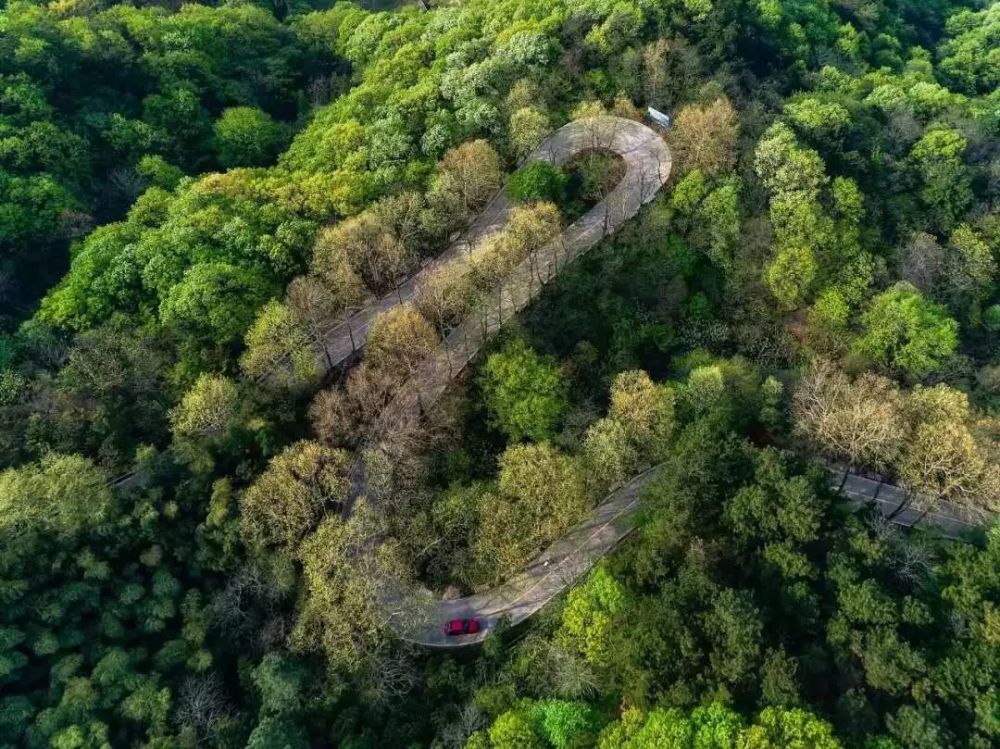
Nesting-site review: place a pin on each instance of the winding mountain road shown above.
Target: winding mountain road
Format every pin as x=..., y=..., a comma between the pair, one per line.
x=647, y=162
x=570, y=557
x=548, y=575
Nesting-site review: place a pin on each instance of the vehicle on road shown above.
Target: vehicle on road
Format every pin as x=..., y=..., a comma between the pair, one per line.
x=461, y=627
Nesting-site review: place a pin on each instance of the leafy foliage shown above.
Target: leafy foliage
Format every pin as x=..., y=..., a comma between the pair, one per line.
x=183, y=563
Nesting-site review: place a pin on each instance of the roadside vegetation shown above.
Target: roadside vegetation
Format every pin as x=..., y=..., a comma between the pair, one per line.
x=201, y=524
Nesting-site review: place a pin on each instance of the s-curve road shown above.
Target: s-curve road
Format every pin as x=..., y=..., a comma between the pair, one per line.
x=647, y=167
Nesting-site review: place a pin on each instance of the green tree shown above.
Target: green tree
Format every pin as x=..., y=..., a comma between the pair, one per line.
x=968, y=58
x=790, y=276
x=780, y=728
x=904, y=331
x=734, y=626
x=214, y=303
x=711, y=726
x=991, y=318
x=592, y=614
x=246, y=136
x=525, y=393
x=946, y=185
x=513, y=731
x=564, y=724
x=538, y=180
x=276, y=733
x=281, y=682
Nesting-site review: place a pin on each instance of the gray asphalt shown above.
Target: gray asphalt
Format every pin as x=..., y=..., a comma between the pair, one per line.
x=903, y=507
x=569, y=558
x=647, y=161
x=548, y=575
x=420, y=618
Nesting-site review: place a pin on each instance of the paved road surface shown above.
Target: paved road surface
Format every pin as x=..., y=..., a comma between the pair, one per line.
x=647, y=160
x=947, y=518
x=574, y=554
x=555, y=569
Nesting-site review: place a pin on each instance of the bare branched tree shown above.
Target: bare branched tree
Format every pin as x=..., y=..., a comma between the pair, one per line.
x=470, y=718
x=570, y=676
x=860, y=421
x=201, y=703
x=234, y=609
x=389, y=675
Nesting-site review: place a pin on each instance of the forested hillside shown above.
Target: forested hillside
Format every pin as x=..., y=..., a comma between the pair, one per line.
x=102, y=101
x=210, y=520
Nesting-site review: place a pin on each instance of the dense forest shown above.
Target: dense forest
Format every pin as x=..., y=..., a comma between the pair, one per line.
x=208, y=521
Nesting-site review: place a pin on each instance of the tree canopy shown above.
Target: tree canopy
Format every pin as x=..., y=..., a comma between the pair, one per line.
x=237, y=238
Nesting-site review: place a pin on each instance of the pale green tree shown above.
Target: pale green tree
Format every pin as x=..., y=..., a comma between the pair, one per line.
x=279, y=351
x=646, y=412
x=349, y=570
x=301, y=484
x=704, y=137
x=446, y=293
x=610, y=455
x=332, y=264
x=528, y=127
x=207, y=410
x=906, y=332
x=969, y=268
x=471, y=173
x=63, y=494
x=547, y=482
x=399, y=340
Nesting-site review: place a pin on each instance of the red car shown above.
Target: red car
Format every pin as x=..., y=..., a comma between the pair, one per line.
x=461, y=627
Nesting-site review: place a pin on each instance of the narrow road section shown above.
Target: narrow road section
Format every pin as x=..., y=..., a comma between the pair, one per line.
x=548, y=575
x=647, y=162
x=896, y=503
x=561, y=565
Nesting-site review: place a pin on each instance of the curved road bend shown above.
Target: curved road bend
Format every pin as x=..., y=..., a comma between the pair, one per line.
x=563, y=563
x=647, y=160
x=554, y=570
x=569, y=558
